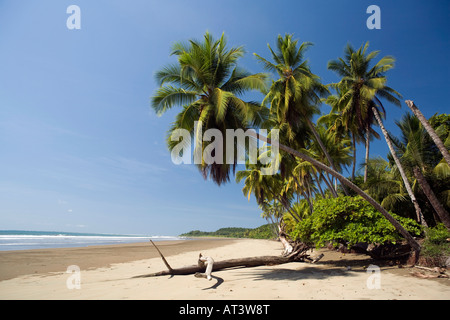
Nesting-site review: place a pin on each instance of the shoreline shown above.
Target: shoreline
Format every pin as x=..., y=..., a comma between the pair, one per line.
x=107, y=273
x=16, y=263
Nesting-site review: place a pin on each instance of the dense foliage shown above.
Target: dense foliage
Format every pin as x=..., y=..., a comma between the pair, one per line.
x=436, y=243
x=348, y=220
x=307, y=192
x=262, y=232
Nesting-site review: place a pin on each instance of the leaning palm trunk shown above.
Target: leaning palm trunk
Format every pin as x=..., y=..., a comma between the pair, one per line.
x=327, y=155
x=288, y=248
x=441, y=212
x=413, y=243
x=430, y=130
x=419, y=214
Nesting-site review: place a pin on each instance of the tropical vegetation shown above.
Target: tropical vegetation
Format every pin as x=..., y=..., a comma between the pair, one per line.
x=262, y=232
x=403, y=196
x=348, y=221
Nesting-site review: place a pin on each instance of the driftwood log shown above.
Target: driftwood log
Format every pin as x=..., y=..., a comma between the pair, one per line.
x=207, y=262
x=298, y=254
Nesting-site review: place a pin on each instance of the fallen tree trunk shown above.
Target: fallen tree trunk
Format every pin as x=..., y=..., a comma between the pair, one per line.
x=298, y=255
x=225, y=264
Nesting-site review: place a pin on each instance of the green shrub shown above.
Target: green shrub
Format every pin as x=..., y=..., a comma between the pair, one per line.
x=436, y=244
x=348, y=220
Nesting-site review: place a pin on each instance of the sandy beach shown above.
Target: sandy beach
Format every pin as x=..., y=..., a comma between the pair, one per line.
x=106, y=273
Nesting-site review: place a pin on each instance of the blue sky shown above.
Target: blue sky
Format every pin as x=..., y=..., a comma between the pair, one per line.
x=80, y=148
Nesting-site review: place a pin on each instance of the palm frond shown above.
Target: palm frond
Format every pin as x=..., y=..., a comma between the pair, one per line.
x=221, y=100
x=442, y=170
x=168, y=96
x=267, y=65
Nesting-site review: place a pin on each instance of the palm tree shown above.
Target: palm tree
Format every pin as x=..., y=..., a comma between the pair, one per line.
x=255, y=183
x=207, y=84
x=273, y=213
x=417, y=155
x=365, y=86
x=265, y=188
x=339, y=148
x=430, y=130
x=301, y=180
x=414, y=201
x=411, y=241
x=339, y=122
x=360, y=84
x=385, y=186
x=294, y=98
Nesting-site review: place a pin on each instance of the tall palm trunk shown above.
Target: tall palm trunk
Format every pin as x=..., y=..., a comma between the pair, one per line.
x=440, y=210
x=430, y=130
x=288, y=208
x=327, y=155
x=308, y=200
x=367, y=153
x=316, y=177
x=330, y=187
x=413, y=243
x=419, y=214
x=354, y=156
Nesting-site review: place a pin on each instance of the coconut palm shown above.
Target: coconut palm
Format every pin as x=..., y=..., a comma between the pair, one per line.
x=294, y=97
x=339, y=149
x=341, y=121
x=417, y=155
x=442, y=148
x=365, y=86
x=362, y=84
x=265, y=188
x=419, y=214
x=273, y=213
x=385, y=185
x=255, y=183
x=411, y=241
x=301, y=181
x=208, y=85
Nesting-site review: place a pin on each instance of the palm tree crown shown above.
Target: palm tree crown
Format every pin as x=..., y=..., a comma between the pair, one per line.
x=295, y=96
x=364, y=86
x=208, y=85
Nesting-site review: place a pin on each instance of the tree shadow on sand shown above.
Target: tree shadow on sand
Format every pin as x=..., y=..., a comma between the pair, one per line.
x=326, y=268
x=302, y=273
x=217, y=284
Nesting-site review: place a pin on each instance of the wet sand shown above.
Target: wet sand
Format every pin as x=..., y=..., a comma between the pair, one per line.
x=23, y=262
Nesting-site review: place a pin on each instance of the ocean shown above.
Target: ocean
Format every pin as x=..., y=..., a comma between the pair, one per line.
x=25, y=240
